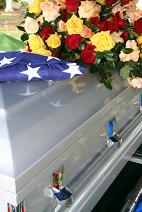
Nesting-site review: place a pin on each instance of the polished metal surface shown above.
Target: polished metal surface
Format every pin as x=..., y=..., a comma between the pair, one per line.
x=36, y=116
x=136, y=159
x=46, y=125
x=133, y=198
x=95, y=186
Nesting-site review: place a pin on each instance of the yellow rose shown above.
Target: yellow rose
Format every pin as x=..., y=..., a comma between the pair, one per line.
x=139, y=40
x=54, y=41
x=42, y=51
x=34, y=7
x=74, y=25
x=102, y=2
x=35, y=42
x=103, y=41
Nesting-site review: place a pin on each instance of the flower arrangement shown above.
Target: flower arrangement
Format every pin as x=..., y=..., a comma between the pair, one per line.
x=104, y=34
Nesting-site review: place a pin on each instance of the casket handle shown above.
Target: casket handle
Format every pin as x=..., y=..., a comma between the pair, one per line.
x=113, y=137
x=111, y=134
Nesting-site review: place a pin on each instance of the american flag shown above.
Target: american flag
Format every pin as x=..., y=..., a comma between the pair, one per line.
x=24, y=66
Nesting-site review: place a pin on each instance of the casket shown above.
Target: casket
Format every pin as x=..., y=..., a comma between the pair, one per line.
x=51, y=126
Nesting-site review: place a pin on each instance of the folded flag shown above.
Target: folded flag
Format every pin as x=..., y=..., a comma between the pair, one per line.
x=24, y=66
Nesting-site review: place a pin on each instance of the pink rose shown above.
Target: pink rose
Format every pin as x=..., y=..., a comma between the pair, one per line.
x=135, y=82
x=132, y=12
x=134, y=55
x=87, y=9
x=50, y=10
x=118, y=8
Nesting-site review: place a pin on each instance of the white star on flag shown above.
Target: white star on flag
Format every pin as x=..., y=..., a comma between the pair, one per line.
x=31, y=72
x=5, y=61
x=72, y=70
x=50, y=58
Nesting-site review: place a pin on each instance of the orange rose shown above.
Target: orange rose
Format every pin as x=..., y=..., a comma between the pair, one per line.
x=86, y=32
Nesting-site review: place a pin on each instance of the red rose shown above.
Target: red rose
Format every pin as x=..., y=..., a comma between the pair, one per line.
x=118, y=22
x=115, y=28
x=90, y=47
x=88, y=56
x=138, y=26
x=72, y=5
x=111, y=2
x=107, y=25
x=94, y=20
x=104, y=25
x=111, y=27
x=125, y=35
x=65, y=15
x=126, y=1
x=73, y=41
x=46, y=32
x=121, y=22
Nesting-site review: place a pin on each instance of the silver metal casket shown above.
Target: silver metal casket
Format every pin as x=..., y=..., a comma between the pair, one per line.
x=48, y=126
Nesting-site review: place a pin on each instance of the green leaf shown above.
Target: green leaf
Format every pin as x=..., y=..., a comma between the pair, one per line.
x=24, y=37
x=46, y=23
x=93, y=69
x=98, y=61
x=108, y=84
x=21, y=28
x=81, y=46
x=99, y=55
x=127, y=50
x=32, y=15
x=109, y=58
x=77, y=56
x=109, y=55
x=62, y=33
x=125, y=71
x=103, y=66
x=111, y=65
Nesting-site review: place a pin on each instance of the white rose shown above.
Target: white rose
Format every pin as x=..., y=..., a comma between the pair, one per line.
x=31, y=26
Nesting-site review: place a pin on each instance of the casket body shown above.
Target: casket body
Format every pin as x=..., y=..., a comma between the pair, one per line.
x=52, y=126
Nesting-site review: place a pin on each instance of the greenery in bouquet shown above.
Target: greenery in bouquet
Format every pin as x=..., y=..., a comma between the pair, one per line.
x=104, y=34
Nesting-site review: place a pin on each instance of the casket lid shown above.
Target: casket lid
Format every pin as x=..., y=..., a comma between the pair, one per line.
x=37, y=116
